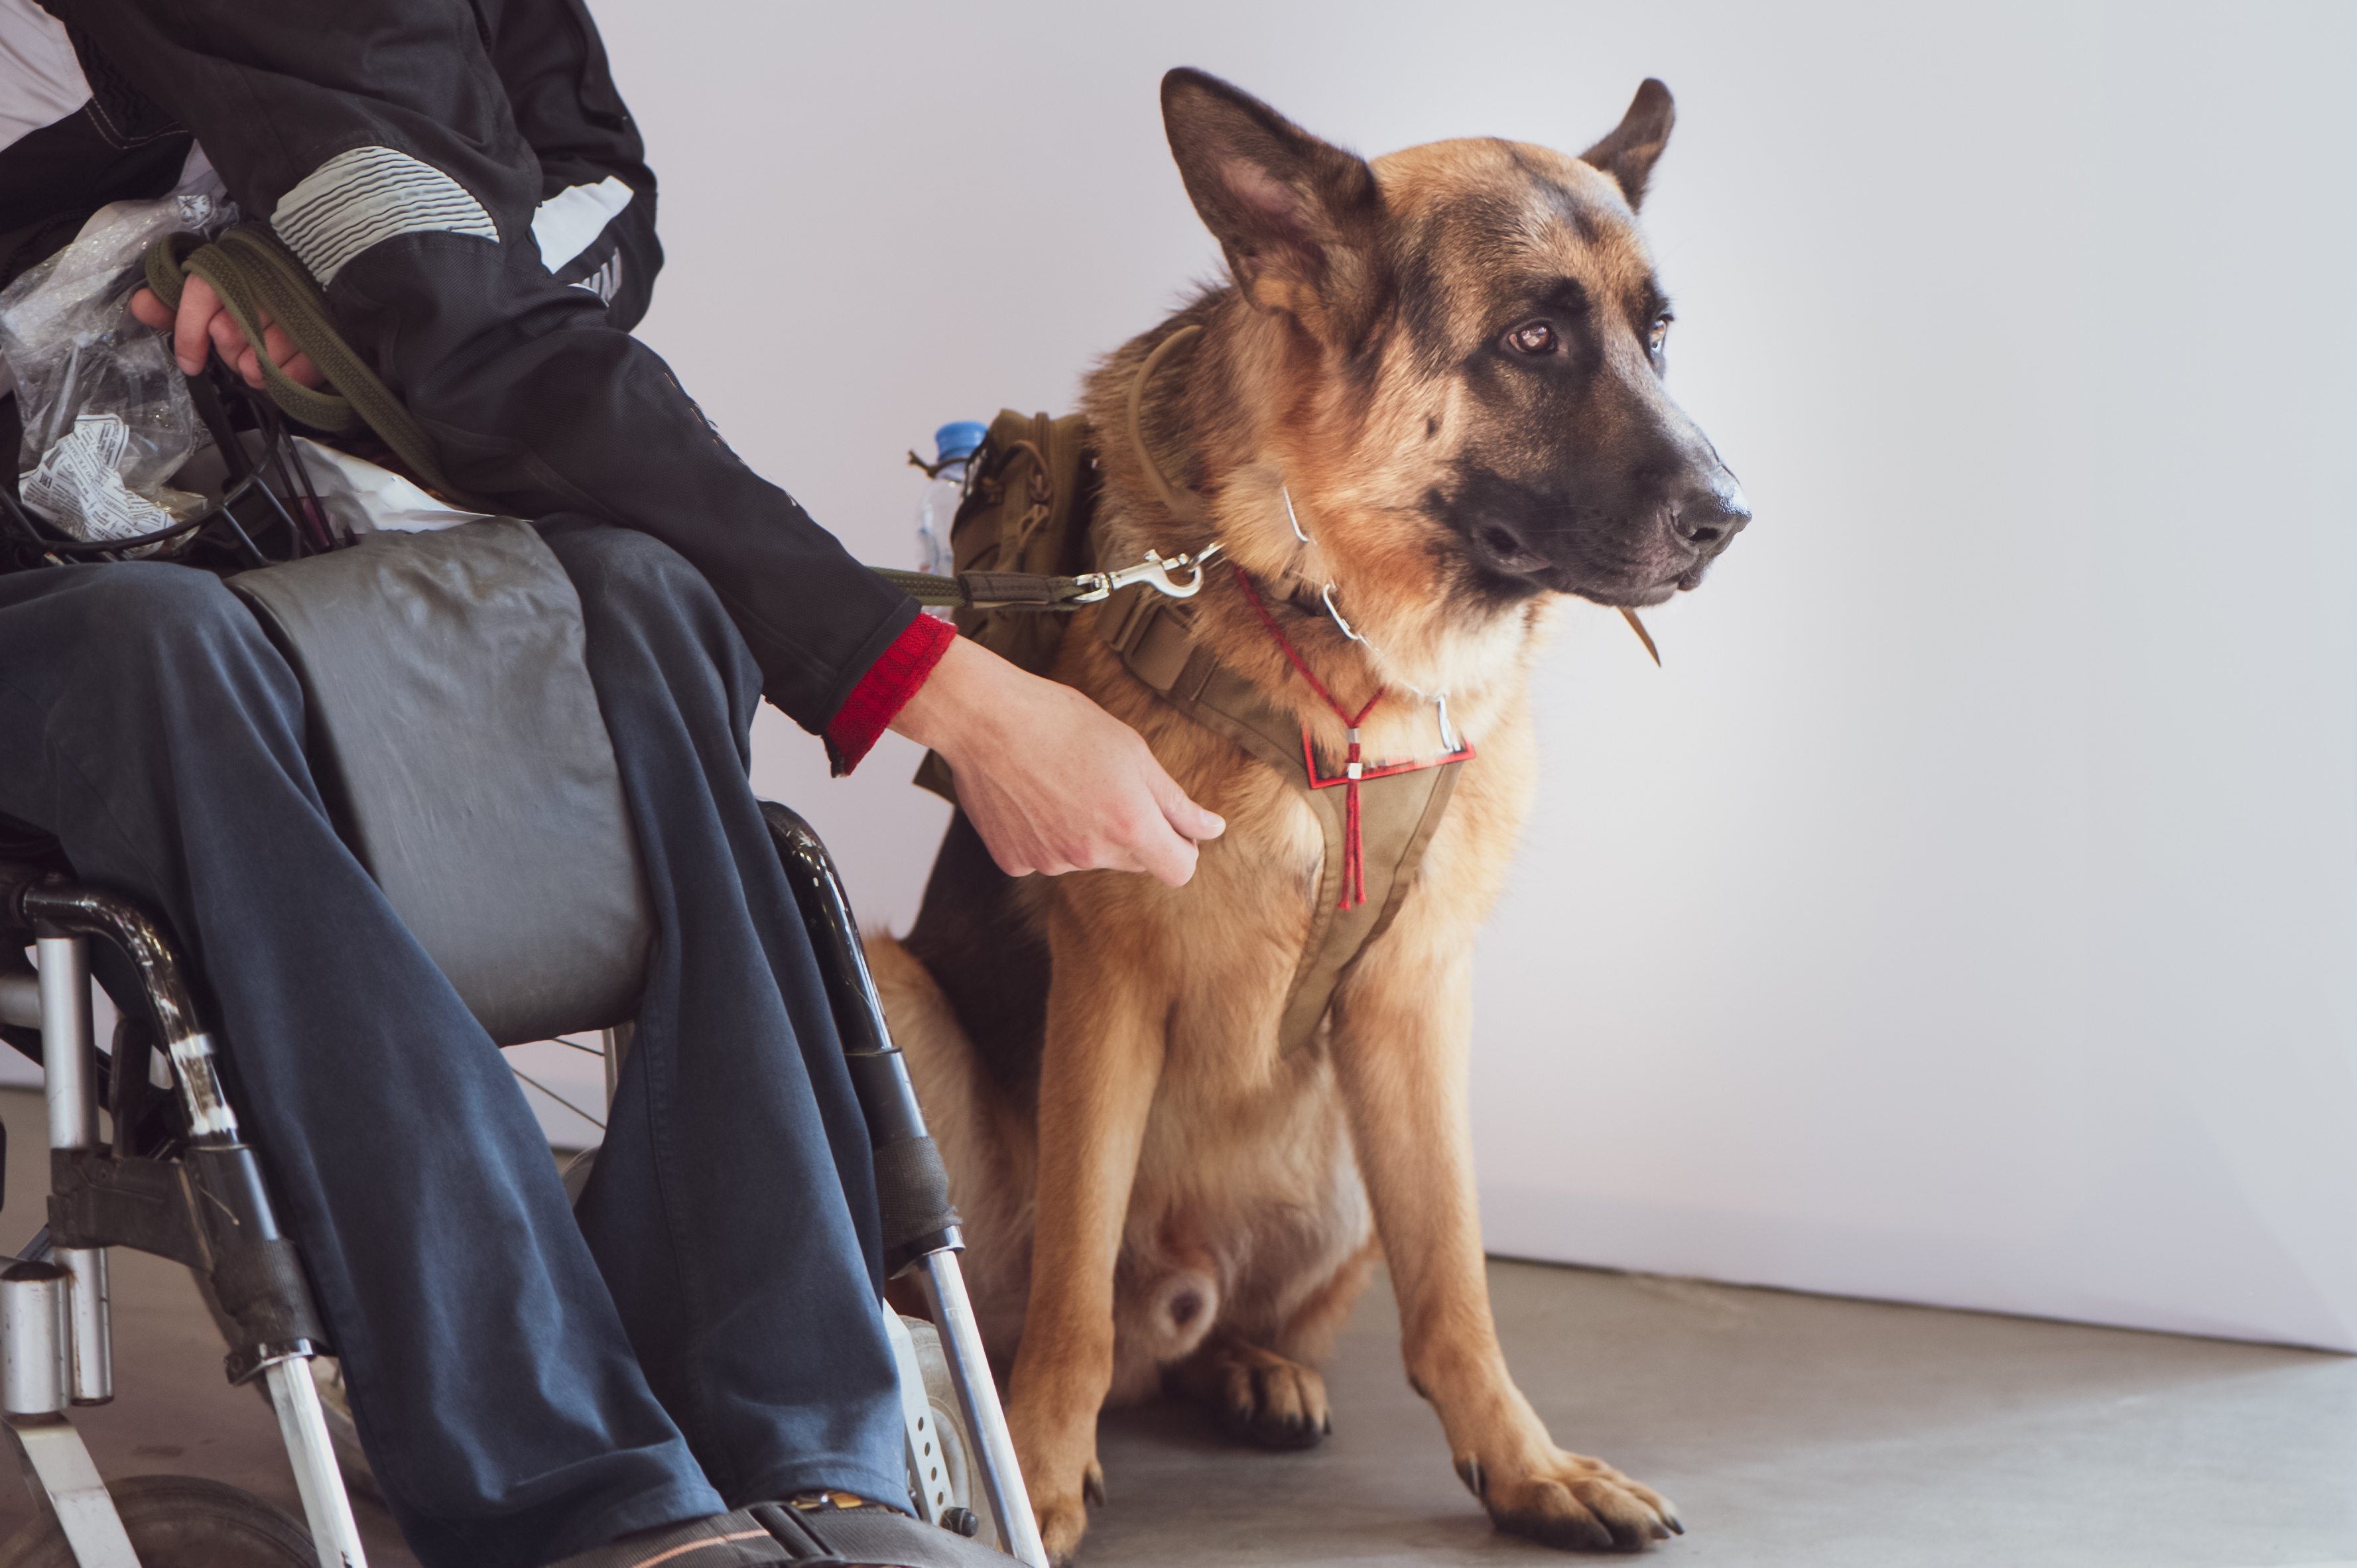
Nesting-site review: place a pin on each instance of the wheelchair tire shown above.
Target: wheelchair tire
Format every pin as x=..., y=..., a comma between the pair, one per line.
x=178, y=1521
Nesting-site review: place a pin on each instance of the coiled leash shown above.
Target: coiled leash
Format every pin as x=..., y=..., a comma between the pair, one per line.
x=254, y=275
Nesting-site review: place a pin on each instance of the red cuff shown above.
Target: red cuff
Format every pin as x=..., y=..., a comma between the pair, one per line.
x=886, y=689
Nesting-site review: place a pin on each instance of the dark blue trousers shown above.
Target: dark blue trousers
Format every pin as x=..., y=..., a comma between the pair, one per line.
x=529, y=1382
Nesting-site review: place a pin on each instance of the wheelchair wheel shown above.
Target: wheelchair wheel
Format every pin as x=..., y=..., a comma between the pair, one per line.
x=178, y=1521
x=952, y=1474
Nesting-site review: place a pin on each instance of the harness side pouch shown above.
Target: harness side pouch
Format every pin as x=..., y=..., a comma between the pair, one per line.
x=456, y=735
x=1027, y=512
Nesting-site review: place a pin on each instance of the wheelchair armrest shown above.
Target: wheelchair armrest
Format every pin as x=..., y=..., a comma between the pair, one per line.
x=912, y=1185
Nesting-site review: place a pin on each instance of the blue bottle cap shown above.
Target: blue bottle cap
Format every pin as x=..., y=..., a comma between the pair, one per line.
x=960, y=440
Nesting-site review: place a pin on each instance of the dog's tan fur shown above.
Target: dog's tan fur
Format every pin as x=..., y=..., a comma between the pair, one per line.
x=1185, y=1204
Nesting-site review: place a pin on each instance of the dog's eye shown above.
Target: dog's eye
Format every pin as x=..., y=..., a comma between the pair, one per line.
x=1534, y=338
x=1658, y=334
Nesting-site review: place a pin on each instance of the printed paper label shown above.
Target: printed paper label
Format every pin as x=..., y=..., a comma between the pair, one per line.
x=79, y=487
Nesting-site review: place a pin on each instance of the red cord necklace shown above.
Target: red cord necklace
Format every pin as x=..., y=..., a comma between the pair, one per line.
x=1354, y=856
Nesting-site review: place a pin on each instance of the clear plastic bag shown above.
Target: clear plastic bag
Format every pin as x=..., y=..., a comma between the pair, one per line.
x=107, y=418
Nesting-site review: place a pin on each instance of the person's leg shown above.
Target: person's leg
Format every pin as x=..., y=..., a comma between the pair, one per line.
x=734, y=1204
x=146, y=723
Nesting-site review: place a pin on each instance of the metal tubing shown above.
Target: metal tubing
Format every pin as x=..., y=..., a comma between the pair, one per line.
x=1002, y=1473
x=69, y=1078
x=90, y=911
x=834, y=934
x=90, y=1319
x=312, y=1451
x=67, y=1062
x=61, y=1466
x=34, y=1379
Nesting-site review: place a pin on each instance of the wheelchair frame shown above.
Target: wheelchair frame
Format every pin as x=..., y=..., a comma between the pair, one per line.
x=199, y=1198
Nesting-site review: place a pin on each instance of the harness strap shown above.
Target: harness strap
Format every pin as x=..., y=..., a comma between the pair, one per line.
x=1398, y=813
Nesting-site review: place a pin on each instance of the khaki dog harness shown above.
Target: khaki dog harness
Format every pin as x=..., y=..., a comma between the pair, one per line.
x=1029, y=518
x=1399, y=809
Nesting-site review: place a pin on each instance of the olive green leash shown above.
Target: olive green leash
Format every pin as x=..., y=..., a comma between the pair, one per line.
x=255, y=278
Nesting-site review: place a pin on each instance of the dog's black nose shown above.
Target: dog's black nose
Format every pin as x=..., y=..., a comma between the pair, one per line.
x=1713, y=513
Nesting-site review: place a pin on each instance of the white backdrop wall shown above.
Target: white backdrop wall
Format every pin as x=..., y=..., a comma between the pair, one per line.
x=1964, y=914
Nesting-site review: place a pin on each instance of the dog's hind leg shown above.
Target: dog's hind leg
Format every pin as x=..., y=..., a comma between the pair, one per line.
x=1307, y=1335
x=1272, y=1396
x=1258, y=1395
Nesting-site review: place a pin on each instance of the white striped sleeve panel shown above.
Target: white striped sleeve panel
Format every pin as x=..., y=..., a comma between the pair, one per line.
x=360, y=198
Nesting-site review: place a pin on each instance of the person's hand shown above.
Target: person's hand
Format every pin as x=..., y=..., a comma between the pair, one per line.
x=1051, y=781
x=203, y=318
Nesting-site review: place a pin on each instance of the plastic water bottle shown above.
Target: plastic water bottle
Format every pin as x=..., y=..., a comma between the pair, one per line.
x=944, y=488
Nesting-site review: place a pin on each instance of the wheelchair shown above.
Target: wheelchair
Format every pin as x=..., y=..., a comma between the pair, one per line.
x=536, y=947
x=177, y=1181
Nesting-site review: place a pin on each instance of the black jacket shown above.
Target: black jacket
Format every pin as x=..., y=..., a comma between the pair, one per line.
x=403, y=148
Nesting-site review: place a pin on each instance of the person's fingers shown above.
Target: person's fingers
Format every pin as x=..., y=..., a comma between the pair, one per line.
x=1051, y=781
x=227, y=340
x=283, y=353
x=149, y=311
x=1164, y=857
x=199, y=308
x=1188, y=820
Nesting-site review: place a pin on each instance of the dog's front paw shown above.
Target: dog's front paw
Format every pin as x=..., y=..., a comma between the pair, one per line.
x=1576, y=1503
x=1063, y=1510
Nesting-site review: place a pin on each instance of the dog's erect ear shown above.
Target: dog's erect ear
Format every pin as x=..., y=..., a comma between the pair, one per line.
x=1628, y=153
x=1298, y=217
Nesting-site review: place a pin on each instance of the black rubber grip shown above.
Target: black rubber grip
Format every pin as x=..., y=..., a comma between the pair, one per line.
x=261, y=1287
x=913, y=1192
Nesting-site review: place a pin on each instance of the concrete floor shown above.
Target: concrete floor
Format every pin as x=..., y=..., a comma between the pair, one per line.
x=1794, y=1431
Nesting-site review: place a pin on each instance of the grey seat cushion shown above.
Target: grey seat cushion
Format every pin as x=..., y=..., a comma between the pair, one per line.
x=456, y=735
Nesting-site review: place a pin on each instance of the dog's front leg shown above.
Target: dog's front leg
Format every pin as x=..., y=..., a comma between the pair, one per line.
x=1097, y=1077
x=1402, y=1049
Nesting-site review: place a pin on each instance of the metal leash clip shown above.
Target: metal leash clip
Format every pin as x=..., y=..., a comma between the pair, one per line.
x=1154, y=570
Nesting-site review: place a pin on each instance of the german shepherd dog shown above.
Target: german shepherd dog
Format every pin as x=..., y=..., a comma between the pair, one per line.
x=1433, y=382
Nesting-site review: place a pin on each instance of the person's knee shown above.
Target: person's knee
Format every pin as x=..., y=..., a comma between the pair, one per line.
x=134, y=603
x=622, y=563
x=142, y=622
x=652, y=619
x=634, y=584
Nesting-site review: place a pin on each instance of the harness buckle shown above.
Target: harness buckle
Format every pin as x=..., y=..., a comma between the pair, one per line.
x=1155, y=571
